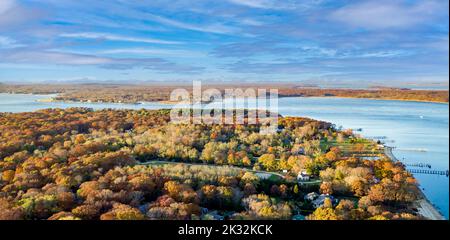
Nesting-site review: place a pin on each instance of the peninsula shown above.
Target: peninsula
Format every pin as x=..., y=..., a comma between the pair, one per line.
x=128, y=93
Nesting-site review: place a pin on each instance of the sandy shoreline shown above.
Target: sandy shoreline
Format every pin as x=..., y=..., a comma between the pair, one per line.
x=424, y=206
x=427, y=210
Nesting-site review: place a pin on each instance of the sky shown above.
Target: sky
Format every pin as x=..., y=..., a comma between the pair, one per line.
x=372, y=42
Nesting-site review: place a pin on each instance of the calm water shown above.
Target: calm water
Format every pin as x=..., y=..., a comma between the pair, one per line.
x=419, y=131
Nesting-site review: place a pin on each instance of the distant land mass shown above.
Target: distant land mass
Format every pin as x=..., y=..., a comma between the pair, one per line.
x=134, y=93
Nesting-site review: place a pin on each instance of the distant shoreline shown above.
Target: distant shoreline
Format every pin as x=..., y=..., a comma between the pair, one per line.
x=379, y=99
x=50, y=100
x=175, y=102
x=136, y=94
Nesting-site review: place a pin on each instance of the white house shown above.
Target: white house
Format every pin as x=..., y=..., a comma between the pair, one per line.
x=303, y=176
x=319, y=202
x=311, y=196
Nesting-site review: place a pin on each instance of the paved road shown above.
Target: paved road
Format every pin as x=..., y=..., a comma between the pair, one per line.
x=388, y=152
x=427, y=210
x=261, y=174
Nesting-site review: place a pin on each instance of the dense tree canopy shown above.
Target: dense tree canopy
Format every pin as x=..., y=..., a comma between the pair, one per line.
x=132, y=165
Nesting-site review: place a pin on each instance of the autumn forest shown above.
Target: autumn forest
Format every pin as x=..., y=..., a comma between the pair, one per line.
x=81, y=164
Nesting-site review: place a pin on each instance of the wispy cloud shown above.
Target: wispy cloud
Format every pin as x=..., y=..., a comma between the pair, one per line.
x=13, y=13
x=359, y=66
x=6, y=5
x=74, y=59
x=241, y=49
x=382, y=54
x=154, y=64
x=218, y=28
x=264, y=4
x=6, y=42
x=251, y=22
x=154, y=51
x=50, y=57
x=272, y=67
x=388, y=14
x=302, y=5
x=112, y=37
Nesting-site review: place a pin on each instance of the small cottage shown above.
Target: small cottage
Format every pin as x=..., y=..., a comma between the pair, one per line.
x=321, y=200
x=303, y=176
x=311, y=196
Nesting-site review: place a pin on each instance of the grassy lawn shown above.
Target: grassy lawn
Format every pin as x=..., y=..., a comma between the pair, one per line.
x=354, y=147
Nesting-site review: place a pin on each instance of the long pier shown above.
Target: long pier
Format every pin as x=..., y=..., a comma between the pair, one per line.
x=420, y=165
x=388, y=152
x=428, y=171
x=426, y=208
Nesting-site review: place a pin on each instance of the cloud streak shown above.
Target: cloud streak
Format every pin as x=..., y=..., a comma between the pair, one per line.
x=154, y=51
x=386, y=14
x=217, y=28
x=112, y=37
x=11, y=13
x=74, y=59
x=6, y=5
x=264, y=4
x=6, y=42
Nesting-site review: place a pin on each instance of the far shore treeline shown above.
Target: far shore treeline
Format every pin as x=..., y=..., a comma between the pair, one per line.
x=153, y=92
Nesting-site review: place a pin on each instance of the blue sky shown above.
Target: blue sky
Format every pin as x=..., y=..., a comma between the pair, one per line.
x=310, y=41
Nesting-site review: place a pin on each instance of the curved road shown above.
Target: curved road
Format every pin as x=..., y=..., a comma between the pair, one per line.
x=388, y=152
x=211, y=165
x=261, y=174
